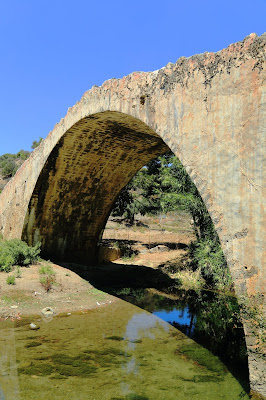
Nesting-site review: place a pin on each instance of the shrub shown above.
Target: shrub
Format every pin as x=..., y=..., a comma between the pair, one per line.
x=10, y=280
x=207, y=256
x=36, y=143
x=47, y=279
x=46, y=270
x=189, y=279
x=128, y=253
x=18, y=272
x=17, y=252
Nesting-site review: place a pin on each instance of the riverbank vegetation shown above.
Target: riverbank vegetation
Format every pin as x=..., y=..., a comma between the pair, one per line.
x=47, y=276
x=162, y=187
x=16, y=252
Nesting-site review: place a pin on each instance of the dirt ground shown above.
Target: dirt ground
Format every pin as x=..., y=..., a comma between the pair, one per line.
x=70, y=293
x=153, y=240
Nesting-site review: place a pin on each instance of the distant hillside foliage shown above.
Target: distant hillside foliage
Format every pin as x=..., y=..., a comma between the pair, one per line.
x=10, y=163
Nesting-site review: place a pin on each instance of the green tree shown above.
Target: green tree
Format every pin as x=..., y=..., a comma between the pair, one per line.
x=9, y=168
x=142, y=195
x=9, y=163
x=23, y=154
x=36, y=143
x=180, y=193
x=124, y=203
x=163, y=185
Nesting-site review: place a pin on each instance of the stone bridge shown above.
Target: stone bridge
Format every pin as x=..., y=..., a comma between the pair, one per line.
x=209, y=109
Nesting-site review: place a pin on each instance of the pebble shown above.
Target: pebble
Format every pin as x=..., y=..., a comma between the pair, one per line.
x=48, y=311
x=33, y=326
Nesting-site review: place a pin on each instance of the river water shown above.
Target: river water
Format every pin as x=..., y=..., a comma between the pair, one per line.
x=209, y=318
x=116, y=352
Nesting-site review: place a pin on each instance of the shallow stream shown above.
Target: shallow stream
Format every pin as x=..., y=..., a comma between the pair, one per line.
x=115, y=352
x=210, y=318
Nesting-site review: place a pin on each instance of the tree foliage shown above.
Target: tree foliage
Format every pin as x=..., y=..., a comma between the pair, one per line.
x=36, y=143
x=10, y=163
x=8, y=168
x=164, y=186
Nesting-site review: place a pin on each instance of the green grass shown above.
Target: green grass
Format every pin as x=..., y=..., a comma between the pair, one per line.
x=11, y=280
x=7, y=299
x=18, y=272
x=46, y=270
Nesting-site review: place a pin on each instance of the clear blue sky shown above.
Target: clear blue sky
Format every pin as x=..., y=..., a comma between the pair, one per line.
x=52, y=51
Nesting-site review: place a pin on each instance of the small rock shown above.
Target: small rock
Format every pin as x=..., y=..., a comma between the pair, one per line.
x=14, y=307
x=159, y=249
x=47, y=311
x=33, y=326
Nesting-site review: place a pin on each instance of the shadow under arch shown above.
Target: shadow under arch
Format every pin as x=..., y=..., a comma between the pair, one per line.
x=81, y=180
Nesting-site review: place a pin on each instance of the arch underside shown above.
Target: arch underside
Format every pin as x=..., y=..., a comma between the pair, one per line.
x=81, y=180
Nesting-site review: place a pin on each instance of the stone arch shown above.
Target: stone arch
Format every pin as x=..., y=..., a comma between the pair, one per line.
x=80, y=181
x=210, y=110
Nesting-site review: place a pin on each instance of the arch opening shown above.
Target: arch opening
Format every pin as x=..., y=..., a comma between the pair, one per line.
x=80, y=181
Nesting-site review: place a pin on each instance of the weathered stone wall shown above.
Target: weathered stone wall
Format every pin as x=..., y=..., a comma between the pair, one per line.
x=209, y=109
